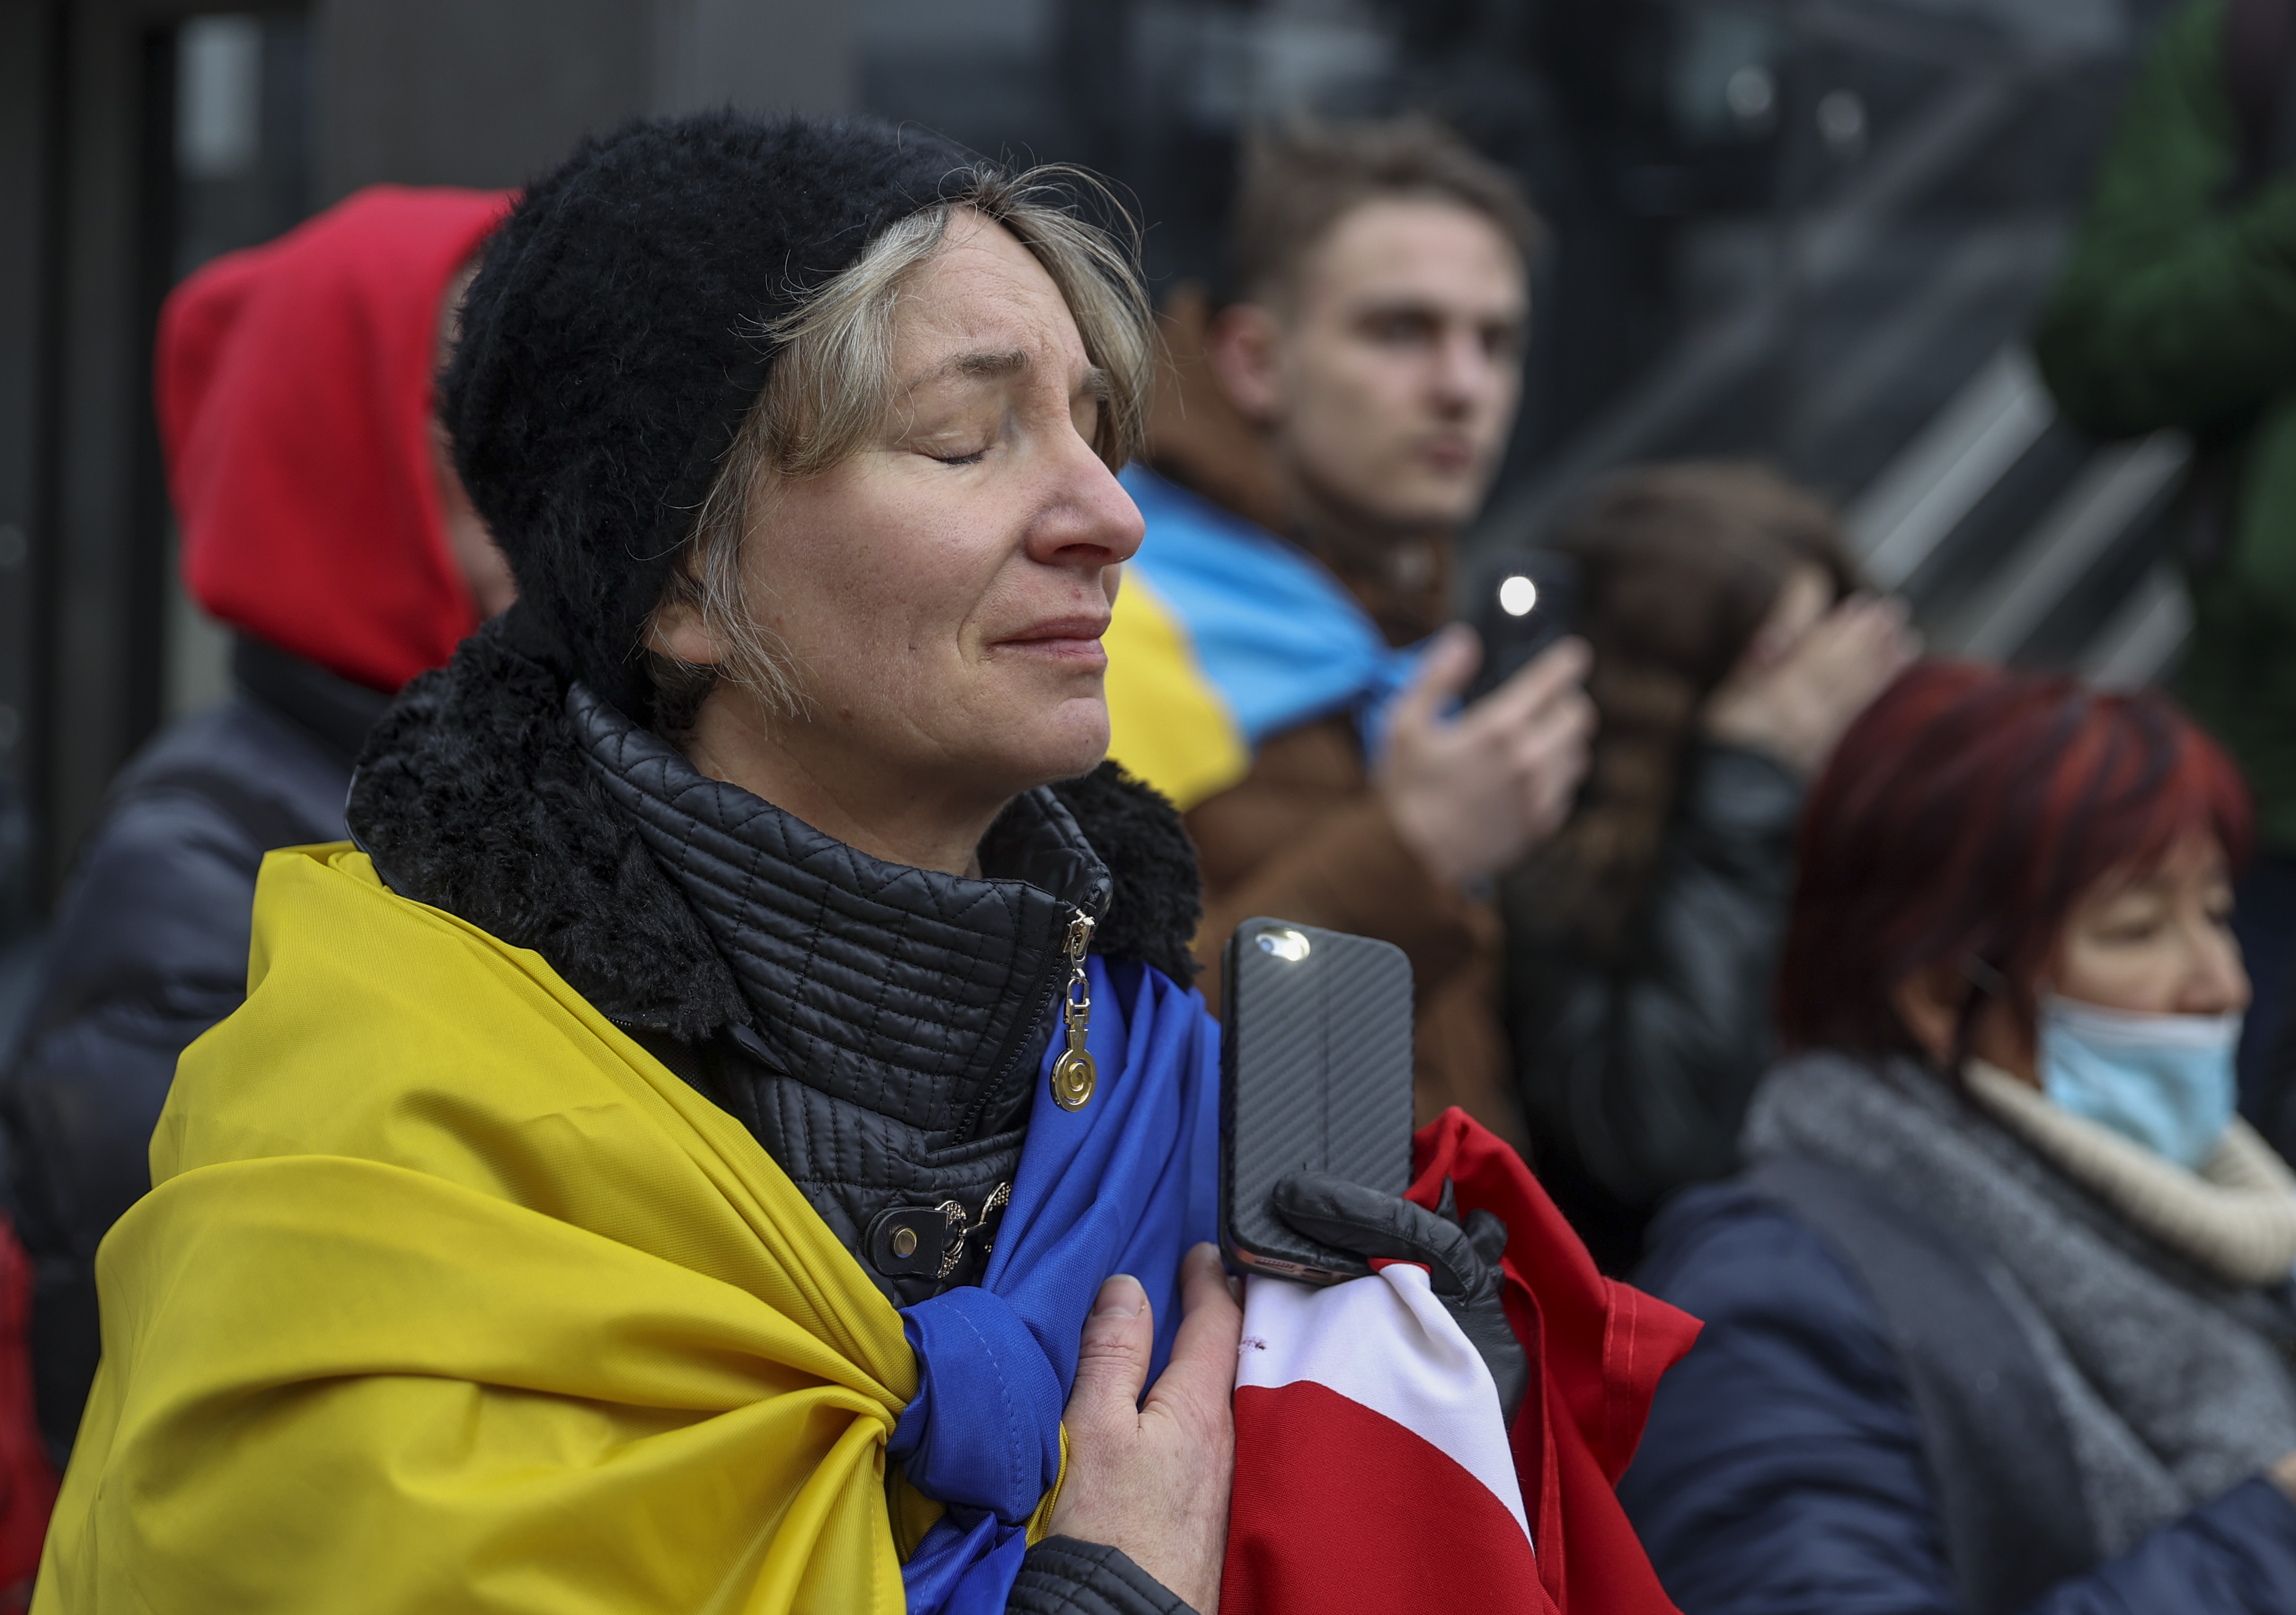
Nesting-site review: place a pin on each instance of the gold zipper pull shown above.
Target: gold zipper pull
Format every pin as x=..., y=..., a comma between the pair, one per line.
x=1074, y=1073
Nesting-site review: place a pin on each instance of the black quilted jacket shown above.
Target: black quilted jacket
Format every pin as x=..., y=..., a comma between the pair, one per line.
x=877, y=1027
x=1636, y=1071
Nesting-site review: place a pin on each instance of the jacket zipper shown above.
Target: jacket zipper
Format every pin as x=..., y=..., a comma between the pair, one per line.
x=1055, y=982
x=1074, y=1073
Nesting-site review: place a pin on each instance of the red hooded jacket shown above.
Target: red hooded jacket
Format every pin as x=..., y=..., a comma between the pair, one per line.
x=293, y=384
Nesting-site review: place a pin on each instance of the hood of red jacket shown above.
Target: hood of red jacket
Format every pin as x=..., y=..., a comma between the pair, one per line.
x=293, y=384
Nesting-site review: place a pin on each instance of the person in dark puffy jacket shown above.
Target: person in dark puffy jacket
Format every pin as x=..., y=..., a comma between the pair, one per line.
x=323, y=521
x=1999, y=1317
x=1730, y=651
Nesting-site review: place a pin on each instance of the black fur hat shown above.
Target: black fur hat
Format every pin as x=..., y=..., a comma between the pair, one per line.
x=610, y=349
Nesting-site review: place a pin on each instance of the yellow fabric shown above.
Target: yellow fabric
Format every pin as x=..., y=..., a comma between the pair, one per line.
x=1167, y=723
x=450, y=1297
x=1041, y=1523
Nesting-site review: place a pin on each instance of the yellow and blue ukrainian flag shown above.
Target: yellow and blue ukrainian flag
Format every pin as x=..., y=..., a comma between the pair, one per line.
x=449, y=1295
x=1225, y=635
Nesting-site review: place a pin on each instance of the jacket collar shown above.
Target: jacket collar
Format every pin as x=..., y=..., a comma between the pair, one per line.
x=332, y=710
x=684, y=906
x=922, y=988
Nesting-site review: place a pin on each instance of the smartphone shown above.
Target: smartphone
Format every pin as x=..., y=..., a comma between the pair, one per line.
x=1524, y=601
x=1316, y=1073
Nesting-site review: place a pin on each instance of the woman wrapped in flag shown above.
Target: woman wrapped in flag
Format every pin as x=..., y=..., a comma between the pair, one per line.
x=732, y=1132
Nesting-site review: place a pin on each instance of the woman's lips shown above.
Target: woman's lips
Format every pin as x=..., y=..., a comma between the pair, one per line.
x=1448, y=454
x=1075, y=639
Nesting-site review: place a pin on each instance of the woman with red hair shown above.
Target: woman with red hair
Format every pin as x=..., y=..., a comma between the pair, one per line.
x=1998, y=1317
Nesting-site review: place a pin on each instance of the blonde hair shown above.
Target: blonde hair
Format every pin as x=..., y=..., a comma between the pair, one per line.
x=831, y=391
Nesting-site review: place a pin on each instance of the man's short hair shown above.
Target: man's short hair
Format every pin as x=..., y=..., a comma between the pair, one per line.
x=1302, y=178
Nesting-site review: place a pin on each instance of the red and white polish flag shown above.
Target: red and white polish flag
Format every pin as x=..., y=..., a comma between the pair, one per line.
x=1370, y=1470
x=1366, y=1420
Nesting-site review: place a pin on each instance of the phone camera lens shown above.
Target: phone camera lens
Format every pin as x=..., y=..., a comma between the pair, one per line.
x=1287, y=946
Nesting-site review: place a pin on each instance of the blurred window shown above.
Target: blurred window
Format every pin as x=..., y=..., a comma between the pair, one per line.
x=233, y=92
x=1811, y=233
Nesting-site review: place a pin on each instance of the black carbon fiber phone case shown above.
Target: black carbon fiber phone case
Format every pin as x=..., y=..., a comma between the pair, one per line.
x=1316, y=1073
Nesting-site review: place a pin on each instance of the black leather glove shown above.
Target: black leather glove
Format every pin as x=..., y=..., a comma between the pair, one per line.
x=1463, y=1262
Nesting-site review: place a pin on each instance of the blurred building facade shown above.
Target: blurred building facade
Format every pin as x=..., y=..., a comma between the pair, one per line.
x=139, y=138
x=1809, y=230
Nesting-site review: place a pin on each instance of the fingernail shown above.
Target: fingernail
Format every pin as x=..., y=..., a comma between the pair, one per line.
x=1119, y=1298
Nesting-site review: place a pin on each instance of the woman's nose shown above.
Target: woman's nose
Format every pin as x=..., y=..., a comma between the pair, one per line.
x=2216, y=982
x=1090, y=521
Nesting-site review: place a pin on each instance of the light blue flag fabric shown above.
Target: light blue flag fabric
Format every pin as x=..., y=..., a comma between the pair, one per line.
x=1279, y=637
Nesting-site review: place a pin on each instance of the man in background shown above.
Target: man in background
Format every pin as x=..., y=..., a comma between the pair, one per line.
x=1258, y=671
x=323, y=521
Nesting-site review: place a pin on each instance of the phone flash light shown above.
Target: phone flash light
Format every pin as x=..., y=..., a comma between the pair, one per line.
x=1287, y=946
x=1517, y=596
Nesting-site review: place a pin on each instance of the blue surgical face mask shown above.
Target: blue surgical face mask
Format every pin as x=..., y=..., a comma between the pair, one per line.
x=2165, y=1081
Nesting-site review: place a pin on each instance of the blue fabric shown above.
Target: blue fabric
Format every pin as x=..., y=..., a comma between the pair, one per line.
x=1277, y=635
x=984, y=1429
x=1782, y=1472
x=2165, y=1082
x=1126, y=1184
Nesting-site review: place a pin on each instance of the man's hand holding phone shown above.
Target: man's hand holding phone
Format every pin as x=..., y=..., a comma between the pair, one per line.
x=1471, y=795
